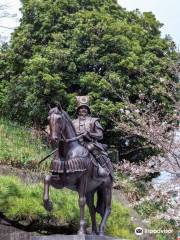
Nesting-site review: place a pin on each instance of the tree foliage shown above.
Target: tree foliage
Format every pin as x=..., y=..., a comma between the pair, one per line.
x=65, y=48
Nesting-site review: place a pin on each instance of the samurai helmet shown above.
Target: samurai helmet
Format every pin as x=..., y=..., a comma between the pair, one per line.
x=83, y=101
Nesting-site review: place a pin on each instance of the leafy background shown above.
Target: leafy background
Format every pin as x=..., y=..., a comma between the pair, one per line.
x=66, y=48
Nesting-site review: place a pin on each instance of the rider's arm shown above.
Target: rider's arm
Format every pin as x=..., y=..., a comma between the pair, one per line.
x=98, y=131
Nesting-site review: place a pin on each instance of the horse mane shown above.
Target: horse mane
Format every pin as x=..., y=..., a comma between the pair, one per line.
x=68, y=119
x=54, y=110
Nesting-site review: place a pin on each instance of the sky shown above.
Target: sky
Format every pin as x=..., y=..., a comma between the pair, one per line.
x=166, y=11
x=9, y=17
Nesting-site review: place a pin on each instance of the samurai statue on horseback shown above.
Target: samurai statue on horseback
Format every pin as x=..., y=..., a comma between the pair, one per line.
x=80, y=163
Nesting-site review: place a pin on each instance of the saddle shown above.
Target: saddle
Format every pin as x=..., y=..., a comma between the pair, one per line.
x=61, y=165
x=79, y=164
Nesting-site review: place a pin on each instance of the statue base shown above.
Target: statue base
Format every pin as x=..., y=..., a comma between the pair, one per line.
x=73, y=237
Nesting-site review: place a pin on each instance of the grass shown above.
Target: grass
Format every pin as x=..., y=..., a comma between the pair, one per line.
x=18, y=145
x=162, y=224
x=149, y=209
x=24, y=204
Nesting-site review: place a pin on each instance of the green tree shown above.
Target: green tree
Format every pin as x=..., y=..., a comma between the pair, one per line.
x=64, y=48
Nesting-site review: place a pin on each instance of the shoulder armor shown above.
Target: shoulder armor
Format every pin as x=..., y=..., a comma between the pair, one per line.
x=95, y=122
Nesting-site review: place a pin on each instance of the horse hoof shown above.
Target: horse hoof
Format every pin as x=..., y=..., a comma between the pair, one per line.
x=81, y=233
x=94, y=233
x=48, y=205
x=101, y=234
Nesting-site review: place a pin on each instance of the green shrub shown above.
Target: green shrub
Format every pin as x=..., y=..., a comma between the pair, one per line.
x=148, y=208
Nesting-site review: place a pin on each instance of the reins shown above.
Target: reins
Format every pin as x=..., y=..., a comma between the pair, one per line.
x=42, y=160
x=61, y=140
x=72, y=139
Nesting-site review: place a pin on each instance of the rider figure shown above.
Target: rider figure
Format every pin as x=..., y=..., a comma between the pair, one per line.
x=92, y=132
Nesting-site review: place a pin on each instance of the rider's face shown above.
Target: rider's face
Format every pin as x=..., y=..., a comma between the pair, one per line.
x=83, y=111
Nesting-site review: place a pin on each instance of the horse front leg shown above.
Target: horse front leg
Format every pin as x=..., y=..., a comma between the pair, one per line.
x=47, y=203
x=107, y=192
x=82, y=202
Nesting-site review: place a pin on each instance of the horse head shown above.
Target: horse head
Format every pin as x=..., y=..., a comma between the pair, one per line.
x=56, y=123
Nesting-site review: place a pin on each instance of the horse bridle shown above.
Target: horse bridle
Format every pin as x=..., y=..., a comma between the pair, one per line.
x=63, y=139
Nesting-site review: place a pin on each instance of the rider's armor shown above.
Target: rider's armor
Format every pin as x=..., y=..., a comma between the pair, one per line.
x=94, y=133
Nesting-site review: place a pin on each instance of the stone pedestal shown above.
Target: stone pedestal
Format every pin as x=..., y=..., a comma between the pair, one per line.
x=11, y=233
x=72, y=237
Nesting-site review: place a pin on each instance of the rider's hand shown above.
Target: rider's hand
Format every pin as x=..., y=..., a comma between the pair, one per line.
x=86, y=135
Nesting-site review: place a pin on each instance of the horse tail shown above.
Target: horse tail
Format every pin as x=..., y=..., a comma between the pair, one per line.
x=100, y=207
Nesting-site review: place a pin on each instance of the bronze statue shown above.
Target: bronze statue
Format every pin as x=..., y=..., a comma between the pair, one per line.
x=92, y=132
x=77, y=167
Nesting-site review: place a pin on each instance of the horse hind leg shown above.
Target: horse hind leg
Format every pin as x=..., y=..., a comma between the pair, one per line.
x=107, y=198
x=92, y=211
x=47, y=203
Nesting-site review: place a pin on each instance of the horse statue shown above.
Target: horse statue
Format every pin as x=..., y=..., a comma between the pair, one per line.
x=77, y=170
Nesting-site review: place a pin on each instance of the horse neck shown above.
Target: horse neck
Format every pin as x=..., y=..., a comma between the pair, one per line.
x=69, y=133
